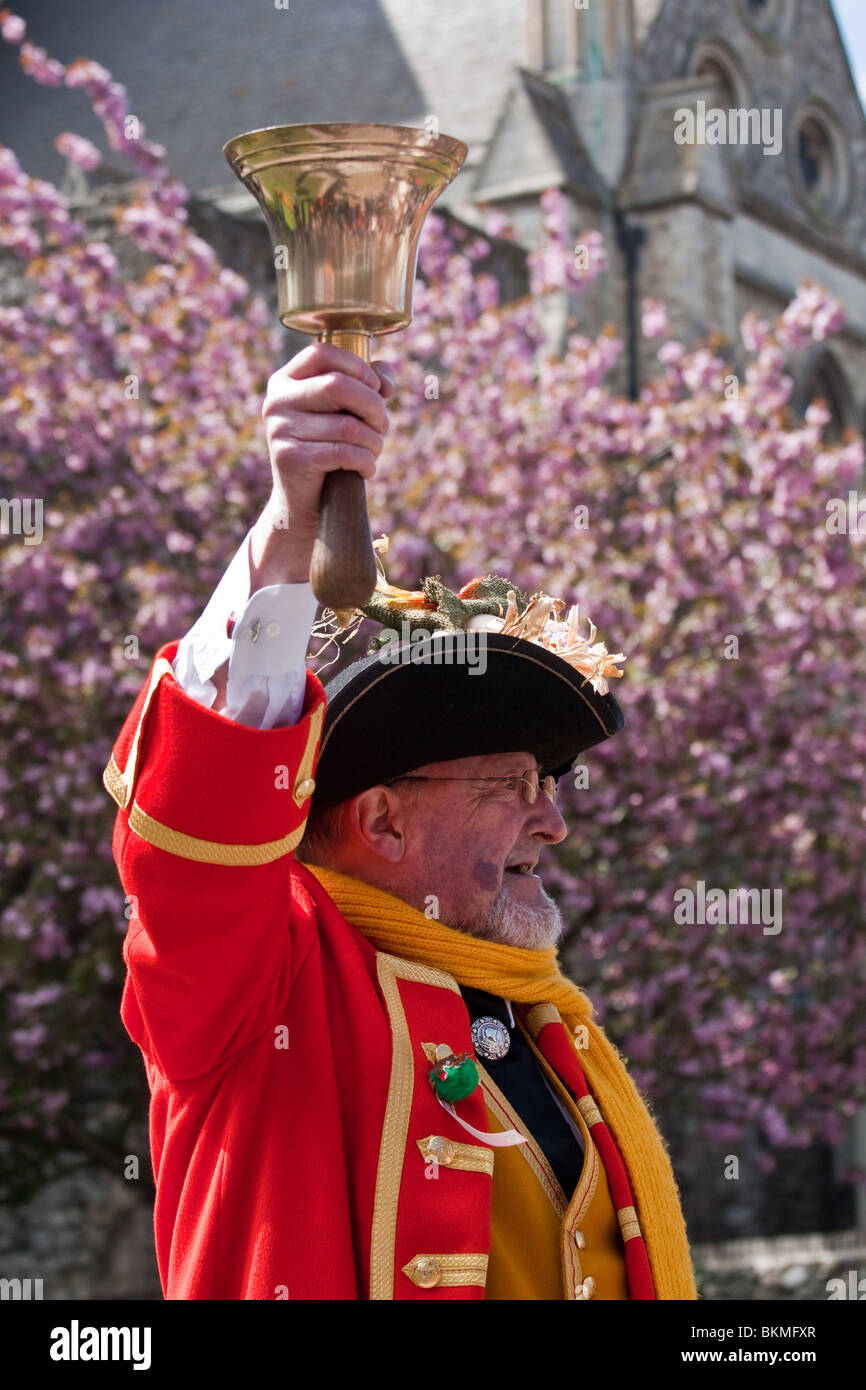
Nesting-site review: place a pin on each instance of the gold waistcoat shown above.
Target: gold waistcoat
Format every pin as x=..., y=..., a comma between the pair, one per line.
x=544, y=1246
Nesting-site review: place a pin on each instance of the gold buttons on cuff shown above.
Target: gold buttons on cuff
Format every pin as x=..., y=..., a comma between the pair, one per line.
x=425, y=1272
x=305, y=788
x=587, y=1288
x=579, y=1240
x=441, y=1149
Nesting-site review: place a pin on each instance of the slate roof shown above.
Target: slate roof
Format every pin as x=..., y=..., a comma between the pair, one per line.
x=535, y=145
x=200, y=71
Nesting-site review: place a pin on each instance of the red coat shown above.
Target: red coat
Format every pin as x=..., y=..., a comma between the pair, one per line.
x=281, y=1170
x=291, y=1114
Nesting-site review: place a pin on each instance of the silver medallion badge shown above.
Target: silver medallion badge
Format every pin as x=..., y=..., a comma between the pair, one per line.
x=490, y=1038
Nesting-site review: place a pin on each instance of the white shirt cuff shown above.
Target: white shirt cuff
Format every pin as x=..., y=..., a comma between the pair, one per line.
x=266, y=651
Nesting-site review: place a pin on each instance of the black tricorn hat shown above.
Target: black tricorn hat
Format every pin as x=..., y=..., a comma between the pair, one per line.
x=455, y=695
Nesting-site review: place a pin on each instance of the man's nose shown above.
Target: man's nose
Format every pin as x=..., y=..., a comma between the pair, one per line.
x=546, y=821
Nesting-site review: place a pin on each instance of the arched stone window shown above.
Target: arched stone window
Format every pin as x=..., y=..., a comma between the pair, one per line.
x=716, y=74
x=713, y=60
x=824, y=379
x=818, y=161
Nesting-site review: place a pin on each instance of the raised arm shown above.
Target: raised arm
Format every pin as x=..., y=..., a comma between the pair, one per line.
x=210, y=808
x=245, y=655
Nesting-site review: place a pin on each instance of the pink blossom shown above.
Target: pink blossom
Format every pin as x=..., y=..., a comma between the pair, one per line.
x=79, y=150
x=53, y=1102
x=671, y=352
x=12, y=27
x=39, y=66
x=496, y=224
x=654, y=323
x=36, y=999
x=812, y=315
x=754, y=331
x=84, y=72
x=743, y=772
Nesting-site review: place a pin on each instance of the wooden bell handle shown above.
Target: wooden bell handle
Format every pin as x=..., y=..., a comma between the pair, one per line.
x=343, y=568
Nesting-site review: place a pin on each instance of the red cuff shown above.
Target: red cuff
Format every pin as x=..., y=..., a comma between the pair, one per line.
x=207, y=788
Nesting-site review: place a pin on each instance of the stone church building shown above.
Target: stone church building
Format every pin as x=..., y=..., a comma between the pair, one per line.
x=585, y=95
x=609, y=100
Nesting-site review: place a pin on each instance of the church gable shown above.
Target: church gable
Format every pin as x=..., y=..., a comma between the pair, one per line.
x=669, y=161
x=534, y=146
x=783, y=60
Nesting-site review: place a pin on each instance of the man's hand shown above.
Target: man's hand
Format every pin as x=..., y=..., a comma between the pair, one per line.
x=324, y=409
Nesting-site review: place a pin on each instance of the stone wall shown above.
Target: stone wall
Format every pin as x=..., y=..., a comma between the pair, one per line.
x=86, y=1236
x=786, y=1269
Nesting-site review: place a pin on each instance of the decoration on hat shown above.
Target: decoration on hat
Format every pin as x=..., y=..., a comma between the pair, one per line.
x=486, y=604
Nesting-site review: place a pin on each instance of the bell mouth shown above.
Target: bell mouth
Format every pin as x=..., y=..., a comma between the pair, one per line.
x=438, y=155
x=345, y=205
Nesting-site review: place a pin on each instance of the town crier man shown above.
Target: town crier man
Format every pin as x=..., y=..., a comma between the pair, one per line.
x=369, y=1078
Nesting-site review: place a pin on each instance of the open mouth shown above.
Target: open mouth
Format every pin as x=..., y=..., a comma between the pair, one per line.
x=526, y=868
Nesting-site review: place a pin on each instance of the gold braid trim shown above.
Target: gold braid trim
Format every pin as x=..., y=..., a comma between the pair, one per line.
x=161, y=668
x=540, y=1015
x=112, y=780
x=470, y=1157
x=118, y=785
x=395, y=1128
x=190, y=846
x=304, y=778
x=589, y=1110
x=628, y=1223
x=447, y=1271
x=211, y=851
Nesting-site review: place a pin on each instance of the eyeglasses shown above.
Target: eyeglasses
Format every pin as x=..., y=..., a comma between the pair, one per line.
x=530, y=783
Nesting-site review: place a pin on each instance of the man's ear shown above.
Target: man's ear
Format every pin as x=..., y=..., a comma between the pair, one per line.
x=378, y=817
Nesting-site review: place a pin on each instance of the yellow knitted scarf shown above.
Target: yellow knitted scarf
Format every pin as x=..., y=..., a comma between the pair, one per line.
x=534, y=977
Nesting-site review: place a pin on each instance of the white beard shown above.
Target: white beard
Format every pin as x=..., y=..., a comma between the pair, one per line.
x=513, y=923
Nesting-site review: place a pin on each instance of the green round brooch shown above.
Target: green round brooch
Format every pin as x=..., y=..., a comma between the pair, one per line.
x=454, y=1077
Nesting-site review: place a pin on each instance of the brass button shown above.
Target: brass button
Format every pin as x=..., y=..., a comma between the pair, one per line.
x=305, y=788
x=272, y=629
x=579, y=1240
x=587, y=1288
x=441, y=1149
x=425, y=1272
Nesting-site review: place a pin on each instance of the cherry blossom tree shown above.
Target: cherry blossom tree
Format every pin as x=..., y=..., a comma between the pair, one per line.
x=703, y=530
x=692, y=525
